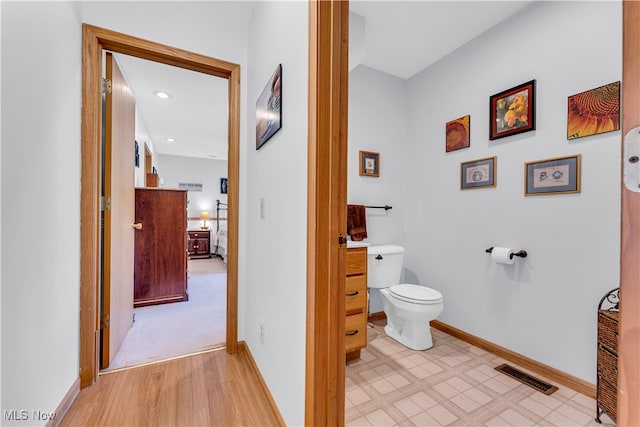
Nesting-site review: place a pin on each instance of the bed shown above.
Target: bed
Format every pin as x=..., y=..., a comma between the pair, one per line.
x=221, y=231
x=221, y=240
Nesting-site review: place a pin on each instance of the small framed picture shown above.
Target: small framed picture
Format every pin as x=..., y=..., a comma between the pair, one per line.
x=223, y=185
x=594, y=111
x=369, y=163
x=478, y=173
x=560, y=175
x=458, y=134
x=512, y=111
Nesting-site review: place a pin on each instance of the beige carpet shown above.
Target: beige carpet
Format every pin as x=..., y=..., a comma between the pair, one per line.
x=169, y=330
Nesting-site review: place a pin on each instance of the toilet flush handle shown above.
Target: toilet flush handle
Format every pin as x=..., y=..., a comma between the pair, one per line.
x=379, y=257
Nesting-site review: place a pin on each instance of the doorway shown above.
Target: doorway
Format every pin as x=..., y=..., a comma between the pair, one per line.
x=95, y=40
x=181, y=119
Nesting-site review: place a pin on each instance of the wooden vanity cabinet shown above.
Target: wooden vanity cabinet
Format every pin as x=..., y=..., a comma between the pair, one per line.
x=356, y=302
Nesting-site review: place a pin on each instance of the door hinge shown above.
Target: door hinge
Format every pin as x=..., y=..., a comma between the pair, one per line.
x=106, y=86
x=105, y=320
x=106, y=203
x=342, y=240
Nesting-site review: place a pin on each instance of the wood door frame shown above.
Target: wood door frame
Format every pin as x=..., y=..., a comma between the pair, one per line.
x=629, y=355
x=326, y=212
x=148, y=162
x=94, y=41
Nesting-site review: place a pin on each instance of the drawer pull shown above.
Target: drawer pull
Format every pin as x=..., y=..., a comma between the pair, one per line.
x=352, y=333
x=352, y=294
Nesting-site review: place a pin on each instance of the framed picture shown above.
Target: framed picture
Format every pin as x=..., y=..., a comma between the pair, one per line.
x=223, y=185
x=594, y=111
x=369, y=163
x=478, y=173
x=512, y=111
x=269, y=109
x=560, y=175
x=458, y=134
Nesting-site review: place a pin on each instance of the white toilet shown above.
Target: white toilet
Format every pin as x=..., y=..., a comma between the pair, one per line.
x=409, y=308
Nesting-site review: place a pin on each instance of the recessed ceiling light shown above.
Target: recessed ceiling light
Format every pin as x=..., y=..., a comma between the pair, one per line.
x=170, y=139
x=162, y=95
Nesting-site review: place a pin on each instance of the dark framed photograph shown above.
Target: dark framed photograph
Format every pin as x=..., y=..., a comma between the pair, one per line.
x=369, y=163
x=223, y=185
x=512, y=111
x=560, y=175
x=478, y=173
x=458, y=134
x=594, y=111
x=269, y=109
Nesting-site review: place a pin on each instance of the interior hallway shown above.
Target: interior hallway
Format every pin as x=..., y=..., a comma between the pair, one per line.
x=212, y=388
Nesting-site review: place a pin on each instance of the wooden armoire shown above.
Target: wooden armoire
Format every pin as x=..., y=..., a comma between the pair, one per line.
x=160, y=273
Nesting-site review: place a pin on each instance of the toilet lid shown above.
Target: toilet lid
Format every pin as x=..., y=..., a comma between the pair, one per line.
x=415, y=294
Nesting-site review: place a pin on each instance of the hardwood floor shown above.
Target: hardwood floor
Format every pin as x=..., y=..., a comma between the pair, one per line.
x=207, y=389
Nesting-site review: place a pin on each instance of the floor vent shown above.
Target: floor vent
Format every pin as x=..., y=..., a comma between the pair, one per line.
x=526, y=379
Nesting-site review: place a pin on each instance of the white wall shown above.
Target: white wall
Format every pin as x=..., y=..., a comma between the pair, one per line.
x=41, y=98
x=1, y=406
x=378, y=122
x=177, y=169
x=276, y=244
x=544, y=306
x=143, y=138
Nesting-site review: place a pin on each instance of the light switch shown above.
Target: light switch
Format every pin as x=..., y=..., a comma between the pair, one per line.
x=262, y=207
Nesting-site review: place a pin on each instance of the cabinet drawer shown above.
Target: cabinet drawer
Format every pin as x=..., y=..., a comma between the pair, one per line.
x=607, y=365
x=608, y=331
x=355, y=294
x=607, y=398
x=355, y=331
x=356, y=261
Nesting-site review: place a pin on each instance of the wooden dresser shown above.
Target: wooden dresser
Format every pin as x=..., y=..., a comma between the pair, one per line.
x=356, y=302
x=606, y=388
x=160, y=256
x=199, y=244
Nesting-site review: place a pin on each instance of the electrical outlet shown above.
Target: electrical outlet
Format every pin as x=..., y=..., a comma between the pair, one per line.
x=261, y=327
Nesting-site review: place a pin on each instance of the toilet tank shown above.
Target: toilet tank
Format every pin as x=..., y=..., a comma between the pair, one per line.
x=384, y=265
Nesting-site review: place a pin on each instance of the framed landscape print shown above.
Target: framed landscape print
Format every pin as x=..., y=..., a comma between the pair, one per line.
x=560, y=175
x=594, y=111
x=512, y=111
x=478, y=173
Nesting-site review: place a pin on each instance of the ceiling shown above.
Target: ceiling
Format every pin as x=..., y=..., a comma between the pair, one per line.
x=400, y=38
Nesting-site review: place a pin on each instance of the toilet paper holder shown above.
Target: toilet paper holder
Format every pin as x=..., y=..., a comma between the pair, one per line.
x=520, y=253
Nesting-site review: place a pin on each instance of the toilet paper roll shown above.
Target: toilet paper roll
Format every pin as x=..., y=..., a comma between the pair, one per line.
x=502, y=255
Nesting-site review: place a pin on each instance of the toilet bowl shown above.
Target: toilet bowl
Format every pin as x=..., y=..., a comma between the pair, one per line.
x=409, y=308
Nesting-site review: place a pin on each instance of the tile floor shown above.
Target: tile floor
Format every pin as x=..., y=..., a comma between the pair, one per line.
x=451, y=384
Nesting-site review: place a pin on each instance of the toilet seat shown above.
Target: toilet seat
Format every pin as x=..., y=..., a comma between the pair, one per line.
x=415, y=294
